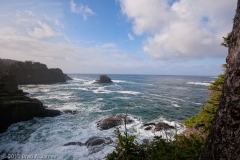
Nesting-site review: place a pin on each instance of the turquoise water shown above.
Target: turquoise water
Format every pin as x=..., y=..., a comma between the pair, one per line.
x=150, y=99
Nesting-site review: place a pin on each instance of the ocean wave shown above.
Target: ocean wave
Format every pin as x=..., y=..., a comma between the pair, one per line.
x=128, y=92
x=119, y=81
x=175, y=105
x=197, y=103
x=199, y=83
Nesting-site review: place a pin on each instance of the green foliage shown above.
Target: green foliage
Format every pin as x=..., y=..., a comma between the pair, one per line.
x=127, y=148
x=206, y=113
x=226, y=40
x=205, y=116
x=181, y=149
x=27, y=65
x=218, y=83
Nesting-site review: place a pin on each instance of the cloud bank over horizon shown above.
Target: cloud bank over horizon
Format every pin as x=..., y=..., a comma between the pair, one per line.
x=185, y=29
x=135, y=37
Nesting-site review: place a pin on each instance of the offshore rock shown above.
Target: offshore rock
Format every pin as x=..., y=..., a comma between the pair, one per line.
x=113, y=121
x=15, y=106
x=157, y=126
x=103, y=79
x=163, y=126
x=94, y=144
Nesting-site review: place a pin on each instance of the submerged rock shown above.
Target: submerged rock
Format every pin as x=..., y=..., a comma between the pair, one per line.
x=113, y=121
x=163, y=126
x=157, y=127
x=73, y=112
x=94, y=144
x=103, y=79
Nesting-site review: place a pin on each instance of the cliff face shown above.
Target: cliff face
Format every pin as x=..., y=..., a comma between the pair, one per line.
x=38, y=76
x=15, y=106
x=224, y=137
x=30, y=72
x=5, y=63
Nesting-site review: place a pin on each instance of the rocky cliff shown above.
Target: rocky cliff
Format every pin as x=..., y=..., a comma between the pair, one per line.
x=38, y=76
x=30, y=72
x=15, y=106
x=224, y=137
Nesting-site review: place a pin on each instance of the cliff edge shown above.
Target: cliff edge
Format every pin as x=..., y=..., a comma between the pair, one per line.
x=15, y=106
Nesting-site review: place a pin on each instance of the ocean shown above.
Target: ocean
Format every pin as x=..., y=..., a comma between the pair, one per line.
x=145, y=98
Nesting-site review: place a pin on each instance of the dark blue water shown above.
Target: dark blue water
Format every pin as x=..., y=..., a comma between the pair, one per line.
x=148, y=98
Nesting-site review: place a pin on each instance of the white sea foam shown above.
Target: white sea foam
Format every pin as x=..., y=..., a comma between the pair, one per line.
x=101, y=90
x=118, y=81
x=121, y=98
x=197, y=103
x=175, y=105
x=199, y=83
x=129, y=92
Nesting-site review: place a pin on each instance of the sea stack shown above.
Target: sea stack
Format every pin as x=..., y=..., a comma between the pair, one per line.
x=103, y=79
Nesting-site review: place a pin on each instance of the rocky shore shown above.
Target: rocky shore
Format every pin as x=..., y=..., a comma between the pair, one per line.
x=30, y=72
x=15, y=106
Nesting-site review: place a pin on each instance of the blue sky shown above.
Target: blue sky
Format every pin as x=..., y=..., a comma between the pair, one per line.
x=160, y=37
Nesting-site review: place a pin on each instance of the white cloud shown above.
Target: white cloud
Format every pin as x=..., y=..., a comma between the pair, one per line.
x=43, y=31
x=85, y=11
x=57, y=22
x=130, y=37
x=30, y=13
x=185, y=30
x=103, y=58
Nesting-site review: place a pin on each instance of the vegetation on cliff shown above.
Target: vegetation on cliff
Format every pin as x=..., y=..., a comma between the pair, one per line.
x=186, y=146
x=223, y=139
x=30, y=72
x=206, y=113
x=26, y=65
x=183, y=147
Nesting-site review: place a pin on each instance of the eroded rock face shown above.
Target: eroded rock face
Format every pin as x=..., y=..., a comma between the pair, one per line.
x=224, y=137
x=15, y=106
x=94, y=144
x=103, y=79
x=113, y=121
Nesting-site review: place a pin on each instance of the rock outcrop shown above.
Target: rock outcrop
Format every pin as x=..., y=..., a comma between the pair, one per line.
x=224, y=137
x=15, y=106
x=67, y=78
x=112, y=121
x=103, y=79
x=39, y=76
x=94, y=144
x=158, y=126
x=30, y=72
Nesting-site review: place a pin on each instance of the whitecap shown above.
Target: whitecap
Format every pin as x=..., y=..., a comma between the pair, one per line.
x=118, y=81
x=129, y=92
x=199, y=83
x=175, y=105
